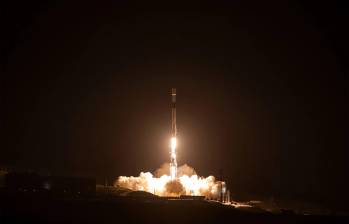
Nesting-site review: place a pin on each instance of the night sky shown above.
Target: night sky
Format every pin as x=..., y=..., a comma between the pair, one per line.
x=261, y=92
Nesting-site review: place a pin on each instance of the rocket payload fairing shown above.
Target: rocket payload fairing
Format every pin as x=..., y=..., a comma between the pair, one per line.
x=173, y=163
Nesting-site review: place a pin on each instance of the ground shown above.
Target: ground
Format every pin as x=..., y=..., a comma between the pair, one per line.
x=41, y=208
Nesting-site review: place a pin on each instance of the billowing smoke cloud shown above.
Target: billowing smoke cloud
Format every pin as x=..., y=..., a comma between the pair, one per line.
x=188, y=183
x=182, y=170
x=185, y=170
x=174, y=188
x=163, y=170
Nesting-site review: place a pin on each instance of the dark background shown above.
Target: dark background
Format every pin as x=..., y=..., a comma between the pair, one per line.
x=261, y=92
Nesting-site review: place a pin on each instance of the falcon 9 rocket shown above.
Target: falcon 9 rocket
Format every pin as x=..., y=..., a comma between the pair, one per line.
x=173, y=145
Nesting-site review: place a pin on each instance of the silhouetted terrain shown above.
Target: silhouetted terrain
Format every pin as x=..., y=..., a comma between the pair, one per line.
x=43, y=208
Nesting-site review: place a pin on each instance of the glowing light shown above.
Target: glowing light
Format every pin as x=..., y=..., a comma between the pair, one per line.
x=173, y=172
x=173, y=165
x=173, y=144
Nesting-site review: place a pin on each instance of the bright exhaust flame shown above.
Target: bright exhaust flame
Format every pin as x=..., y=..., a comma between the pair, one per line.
x=187, y=183
x=173, y=164
x=173, y=144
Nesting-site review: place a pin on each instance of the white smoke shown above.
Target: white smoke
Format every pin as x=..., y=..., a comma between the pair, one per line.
x=188, y=183
x=182, y=170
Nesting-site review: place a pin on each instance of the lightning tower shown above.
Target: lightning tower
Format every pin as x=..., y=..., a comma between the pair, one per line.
x=173, y=163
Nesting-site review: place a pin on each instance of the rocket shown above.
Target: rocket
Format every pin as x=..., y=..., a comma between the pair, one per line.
x=173, y=156
x=173, y=107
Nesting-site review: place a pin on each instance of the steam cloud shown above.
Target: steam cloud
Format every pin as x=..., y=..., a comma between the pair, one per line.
x=188, y=183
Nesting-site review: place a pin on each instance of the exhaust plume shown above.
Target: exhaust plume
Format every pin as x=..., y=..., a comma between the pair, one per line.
x=187, y=183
